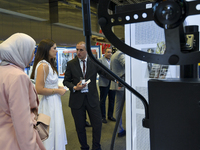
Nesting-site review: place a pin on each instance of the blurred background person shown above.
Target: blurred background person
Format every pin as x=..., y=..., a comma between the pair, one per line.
x=46, y=84
x=18, y=98
x=118, y=67
x=104, y=87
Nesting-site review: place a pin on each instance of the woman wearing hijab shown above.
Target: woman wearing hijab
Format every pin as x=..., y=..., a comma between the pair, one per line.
x=18, y=98
x=46, y=83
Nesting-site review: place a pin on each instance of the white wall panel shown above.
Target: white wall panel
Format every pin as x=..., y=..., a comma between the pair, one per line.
x=141, y=36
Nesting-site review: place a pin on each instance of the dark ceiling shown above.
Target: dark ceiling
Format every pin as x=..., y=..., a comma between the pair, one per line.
x=34, y=18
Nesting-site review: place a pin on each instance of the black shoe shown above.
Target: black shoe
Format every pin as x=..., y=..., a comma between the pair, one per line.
x=121, y=134
x=104, y=120
x=87, y=124
x=112, y=118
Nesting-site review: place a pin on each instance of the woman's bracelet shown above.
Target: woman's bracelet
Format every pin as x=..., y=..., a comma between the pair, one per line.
x=53, y=91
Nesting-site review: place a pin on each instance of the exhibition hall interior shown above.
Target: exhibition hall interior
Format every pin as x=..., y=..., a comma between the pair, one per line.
x=160, y=43
x=61, y=22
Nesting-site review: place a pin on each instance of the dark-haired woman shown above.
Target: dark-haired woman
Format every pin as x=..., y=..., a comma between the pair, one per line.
x=46, y=84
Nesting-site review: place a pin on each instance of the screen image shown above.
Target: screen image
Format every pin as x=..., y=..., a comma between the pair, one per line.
x=66, y=54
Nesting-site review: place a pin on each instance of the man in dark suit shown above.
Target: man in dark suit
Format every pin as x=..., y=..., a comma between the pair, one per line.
x=84, y=97
x=104, y=87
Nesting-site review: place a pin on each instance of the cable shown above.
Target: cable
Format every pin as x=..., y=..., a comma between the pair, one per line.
x=87, y=34
x=117, y=124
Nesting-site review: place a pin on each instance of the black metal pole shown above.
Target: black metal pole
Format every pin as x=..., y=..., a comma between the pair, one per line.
x=87, y=34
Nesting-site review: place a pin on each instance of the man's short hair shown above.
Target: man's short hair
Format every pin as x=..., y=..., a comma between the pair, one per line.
x=107, y=49
x=81, y=43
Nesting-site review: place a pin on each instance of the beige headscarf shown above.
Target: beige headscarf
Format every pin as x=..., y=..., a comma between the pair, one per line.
x=17, y=49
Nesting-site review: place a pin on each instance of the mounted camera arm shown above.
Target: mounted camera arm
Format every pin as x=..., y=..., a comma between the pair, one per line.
x=170, y=21
x=167, y=14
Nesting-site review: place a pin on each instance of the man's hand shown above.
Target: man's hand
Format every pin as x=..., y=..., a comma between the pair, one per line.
x=119, y=85
x=79, y=86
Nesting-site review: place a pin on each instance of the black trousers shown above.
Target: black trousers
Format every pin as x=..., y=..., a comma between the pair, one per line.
x=79, y=116
x=104, y=91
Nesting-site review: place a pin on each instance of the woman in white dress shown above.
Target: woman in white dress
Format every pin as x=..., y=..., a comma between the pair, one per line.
x=46, y=84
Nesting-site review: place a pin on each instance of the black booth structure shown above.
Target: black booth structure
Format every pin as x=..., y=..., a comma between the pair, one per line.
x=173, y=112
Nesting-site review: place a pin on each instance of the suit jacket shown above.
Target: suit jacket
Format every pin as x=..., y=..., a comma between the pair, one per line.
x=117, y=66
x=102, y=80
x=72, y=77
x=17, y=97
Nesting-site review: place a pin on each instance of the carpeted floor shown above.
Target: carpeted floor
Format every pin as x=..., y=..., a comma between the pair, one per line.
x=107, y=131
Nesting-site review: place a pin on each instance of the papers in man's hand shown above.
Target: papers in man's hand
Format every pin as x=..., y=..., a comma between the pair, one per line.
x=88, y=81
x=65, y=88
